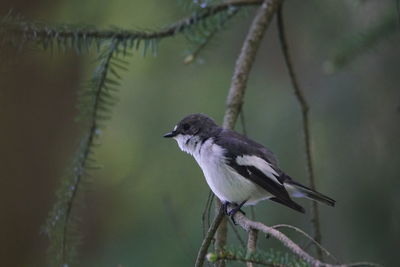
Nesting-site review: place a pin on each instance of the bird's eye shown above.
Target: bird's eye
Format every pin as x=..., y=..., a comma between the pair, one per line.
x=185, y=126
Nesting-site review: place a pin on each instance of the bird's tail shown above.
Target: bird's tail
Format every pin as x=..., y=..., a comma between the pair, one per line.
x=299, y=190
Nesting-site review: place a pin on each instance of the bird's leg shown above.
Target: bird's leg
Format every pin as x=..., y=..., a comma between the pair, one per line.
x=233, y=211
x=237, y=208
x=224, y=207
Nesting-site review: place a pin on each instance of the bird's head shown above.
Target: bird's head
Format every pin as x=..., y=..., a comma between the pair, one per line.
x=192, y=129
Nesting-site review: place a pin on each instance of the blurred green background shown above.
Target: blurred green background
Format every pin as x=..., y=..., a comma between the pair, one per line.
x=143, y=208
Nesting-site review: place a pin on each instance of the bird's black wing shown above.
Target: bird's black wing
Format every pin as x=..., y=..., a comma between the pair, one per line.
x=242, y=144
x=240, y=147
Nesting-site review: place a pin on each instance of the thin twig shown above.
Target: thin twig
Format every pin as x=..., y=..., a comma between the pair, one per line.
x=207, y=240
x=315, y=221
x=206, y=212
x=251, y=245
x=308, y=237
x=249, y=225
x=236, y=232
x=209, y=209
x=243, y=121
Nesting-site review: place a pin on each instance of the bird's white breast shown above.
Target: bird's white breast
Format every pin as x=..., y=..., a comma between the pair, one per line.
x=223, y=180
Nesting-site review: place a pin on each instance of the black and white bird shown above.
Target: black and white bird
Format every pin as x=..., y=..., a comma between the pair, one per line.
x=238, y=170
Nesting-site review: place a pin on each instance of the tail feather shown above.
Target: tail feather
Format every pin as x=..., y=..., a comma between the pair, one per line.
x=299, y=190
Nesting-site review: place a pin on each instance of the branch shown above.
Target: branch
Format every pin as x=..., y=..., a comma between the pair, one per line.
x=254, y=226
x=250, y=225
x=306, y=127
x=246, y=59
x=221, y=235
x=207, y=239
x=251, y=245
x=35, y=32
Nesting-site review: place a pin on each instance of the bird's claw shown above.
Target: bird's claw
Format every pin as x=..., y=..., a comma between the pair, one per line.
x=233, y=211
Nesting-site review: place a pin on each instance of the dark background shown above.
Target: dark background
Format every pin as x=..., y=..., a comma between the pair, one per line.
x=143, y=208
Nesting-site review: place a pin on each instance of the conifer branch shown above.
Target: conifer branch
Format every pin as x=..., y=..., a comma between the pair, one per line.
x=354, y=46
x=315, y=221
x=88, y=142
x=96, y=100
x=83, y=36
x=270, y=257
x=239, y=258
x=207, y=36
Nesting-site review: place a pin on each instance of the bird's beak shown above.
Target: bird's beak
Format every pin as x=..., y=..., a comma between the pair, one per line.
x=171, y=134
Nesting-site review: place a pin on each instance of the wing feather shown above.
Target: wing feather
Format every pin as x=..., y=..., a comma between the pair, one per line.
x=256, y=163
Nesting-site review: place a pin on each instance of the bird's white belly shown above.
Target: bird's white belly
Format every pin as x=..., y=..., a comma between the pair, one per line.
x=223, y=180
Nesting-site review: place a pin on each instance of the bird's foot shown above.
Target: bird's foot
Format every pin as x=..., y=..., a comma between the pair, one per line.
x=237, y=208
x=224, y=207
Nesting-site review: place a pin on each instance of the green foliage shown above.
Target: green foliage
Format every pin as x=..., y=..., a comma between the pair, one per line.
x=269, y=258
x=18, y=32
x=97, y=98
x=363, y=42
x=199, y=26
x=96, y=101
x=205, y=31
x=195, y=5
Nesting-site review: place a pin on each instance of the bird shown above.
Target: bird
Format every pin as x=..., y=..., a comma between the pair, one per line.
x=238, y=170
